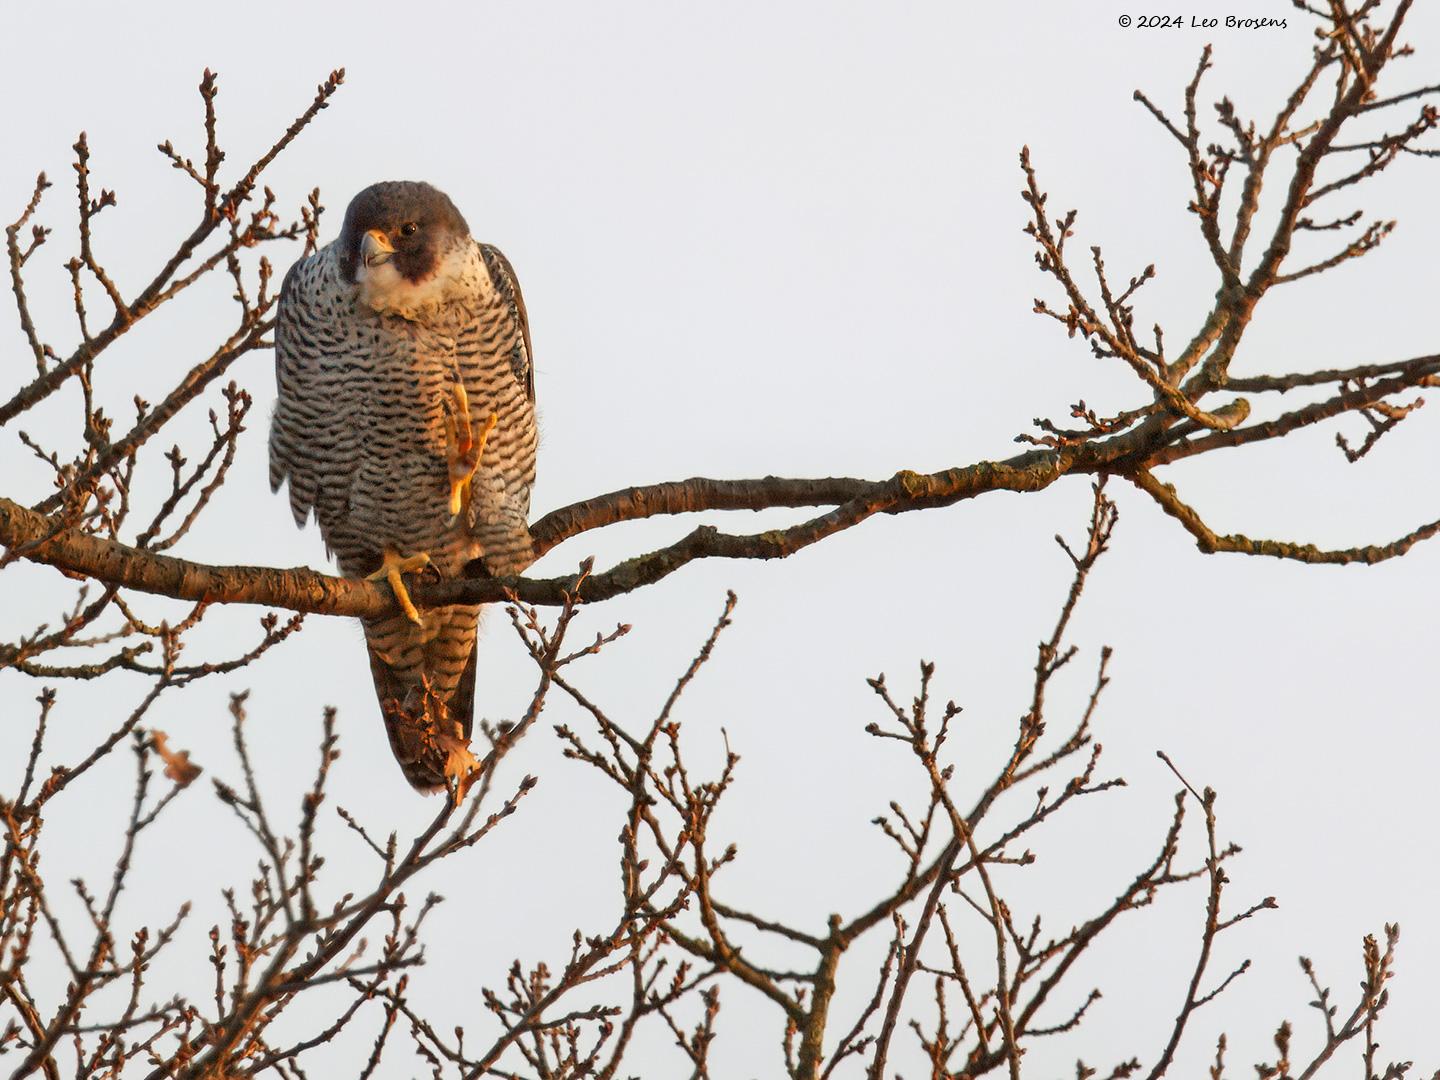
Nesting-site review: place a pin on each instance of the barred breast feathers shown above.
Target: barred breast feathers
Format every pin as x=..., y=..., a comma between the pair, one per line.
x=338, y=361
x=375, y=341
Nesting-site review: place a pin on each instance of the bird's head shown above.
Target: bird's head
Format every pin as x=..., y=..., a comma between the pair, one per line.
x=403, y=245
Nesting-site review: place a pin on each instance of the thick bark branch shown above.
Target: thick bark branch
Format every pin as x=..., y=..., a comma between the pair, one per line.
x=300, y=589
x=684, y=496
x=36, y=537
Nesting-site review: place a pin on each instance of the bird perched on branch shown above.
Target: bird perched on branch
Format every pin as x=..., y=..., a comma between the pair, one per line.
x=406, y=424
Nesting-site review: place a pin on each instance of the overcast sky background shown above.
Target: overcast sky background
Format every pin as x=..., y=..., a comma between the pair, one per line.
x=785, y=238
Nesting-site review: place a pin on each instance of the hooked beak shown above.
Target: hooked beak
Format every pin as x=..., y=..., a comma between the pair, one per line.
x=375, y=248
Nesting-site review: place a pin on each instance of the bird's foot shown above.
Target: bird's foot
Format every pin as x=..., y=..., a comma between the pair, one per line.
x=392, y=566
x=465, y=447
x=447, y=746
x=463, y=768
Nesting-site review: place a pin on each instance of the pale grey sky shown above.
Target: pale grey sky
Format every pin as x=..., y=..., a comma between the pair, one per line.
x=785, y=238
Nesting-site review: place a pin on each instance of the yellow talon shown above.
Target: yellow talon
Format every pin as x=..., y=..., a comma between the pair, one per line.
x=465, y=449
x=391, y=567
x=465, y=768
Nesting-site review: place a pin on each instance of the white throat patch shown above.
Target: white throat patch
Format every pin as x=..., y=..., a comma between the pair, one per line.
x=384, y=289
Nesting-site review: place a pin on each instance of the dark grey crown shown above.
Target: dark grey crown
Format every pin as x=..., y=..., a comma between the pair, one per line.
x=391, y=207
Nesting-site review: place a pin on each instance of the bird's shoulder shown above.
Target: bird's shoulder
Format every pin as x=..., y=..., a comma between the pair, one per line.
x=497, y=266
x=310, y=278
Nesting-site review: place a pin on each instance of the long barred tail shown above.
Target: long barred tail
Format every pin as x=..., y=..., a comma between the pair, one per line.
x=425, y=680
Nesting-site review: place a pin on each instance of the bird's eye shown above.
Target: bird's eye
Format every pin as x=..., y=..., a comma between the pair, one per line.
x=409, y=229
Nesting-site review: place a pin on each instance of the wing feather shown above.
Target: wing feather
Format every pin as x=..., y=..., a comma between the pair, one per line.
x=503, y=275
x=309, y=447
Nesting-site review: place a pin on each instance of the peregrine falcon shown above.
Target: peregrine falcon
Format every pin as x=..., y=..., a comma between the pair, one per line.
x=405, y=423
